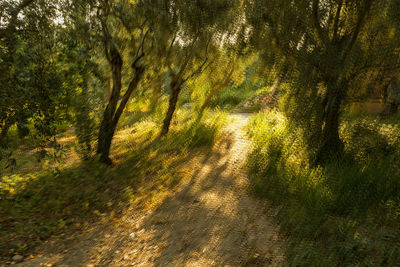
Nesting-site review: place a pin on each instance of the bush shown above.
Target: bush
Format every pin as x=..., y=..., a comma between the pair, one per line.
x=344, y=213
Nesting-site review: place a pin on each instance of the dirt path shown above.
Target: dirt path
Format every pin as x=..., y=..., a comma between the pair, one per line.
x=211, y=220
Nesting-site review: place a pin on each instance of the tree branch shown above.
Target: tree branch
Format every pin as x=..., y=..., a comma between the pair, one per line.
x=315, y=20
x=360, y=23
x=142, y=39
x=199, y=69
x=132, y=85
x=337, y=19
x=14, y=16
x=107, y=38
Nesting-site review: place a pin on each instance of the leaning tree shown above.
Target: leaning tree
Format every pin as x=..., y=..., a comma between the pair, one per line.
x=198, y=30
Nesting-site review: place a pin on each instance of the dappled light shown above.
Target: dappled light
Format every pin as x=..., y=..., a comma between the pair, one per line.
x=340, y=201
x=199, y=133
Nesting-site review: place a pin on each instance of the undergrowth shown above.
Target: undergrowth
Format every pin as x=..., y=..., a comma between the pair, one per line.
x=229, y=98
x=346, y=213
x=37, y=203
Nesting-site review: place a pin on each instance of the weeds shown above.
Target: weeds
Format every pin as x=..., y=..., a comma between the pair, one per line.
x=344, y=213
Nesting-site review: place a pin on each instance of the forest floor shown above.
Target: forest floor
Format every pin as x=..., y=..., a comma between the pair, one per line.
x=212, y=219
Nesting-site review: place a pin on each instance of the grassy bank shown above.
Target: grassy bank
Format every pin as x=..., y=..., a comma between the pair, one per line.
x=39, y=200
x=346, y=213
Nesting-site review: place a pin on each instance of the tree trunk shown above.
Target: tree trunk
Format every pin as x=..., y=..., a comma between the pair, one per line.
x=205, y=104
x=331, y=146
x=131, y=87
x=3, y=134
x=106, y=134
x=173, y=99
x=111, y=118
x=107, y=128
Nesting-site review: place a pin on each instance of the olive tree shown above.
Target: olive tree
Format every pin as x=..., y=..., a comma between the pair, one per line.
x=327, y=45
x=198, y=31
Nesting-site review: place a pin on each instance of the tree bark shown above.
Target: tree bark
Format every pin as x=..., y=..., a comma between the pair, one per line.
x=331, y=146
x=3, y=134
x=205, y=104
x=110, y=122
x=107, y=128
x=106, y=134
x=173, y=99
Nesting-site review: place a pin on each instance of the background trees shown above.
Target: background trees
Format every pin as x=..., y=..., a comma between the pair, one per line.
x=325, y=50
x=124, y=35
x=327, y=45
x=31, y=79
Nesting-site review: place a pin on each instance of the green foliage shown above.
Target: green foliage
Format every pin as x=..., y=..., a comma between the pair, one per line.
x=230, y=98
x=54, y=75
x=31, y=76
x=204, y=132
x=7, y=160
x=84, y=81
x=327, y=51
x=343, y=213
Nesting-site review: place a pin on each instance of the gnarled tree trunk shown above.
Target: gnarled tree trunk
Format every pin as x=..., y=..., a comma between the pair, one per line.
x=331, y=146
x=106, y=131
x=113, y=111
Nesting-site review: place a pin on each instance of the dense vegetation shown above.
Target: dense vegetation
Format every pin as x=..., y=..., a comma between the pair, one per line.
x=342, y=213
x=97, y=94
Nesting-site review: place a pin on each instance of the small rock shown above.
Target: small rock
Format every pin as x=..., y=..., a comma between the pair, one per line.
x=188, y=105
x=17, y=258
x=133, y=235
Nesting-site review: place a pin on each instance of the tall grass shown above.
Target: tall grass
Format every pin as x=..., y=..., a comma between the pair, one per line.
x=344, y=213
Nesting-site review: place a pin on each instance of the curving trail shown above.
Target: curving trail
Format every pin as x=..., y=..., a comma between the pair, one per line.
x=211, y=220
